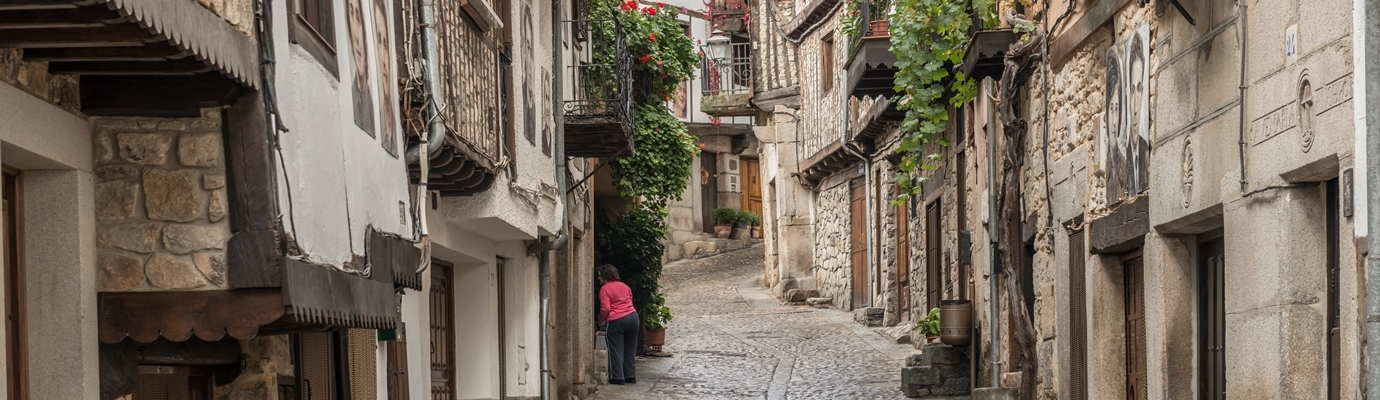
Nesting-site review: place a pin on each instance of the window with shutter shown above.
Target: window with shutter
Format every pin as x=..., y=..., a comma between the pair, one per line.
x=1212, y=372
x=320, y=367
x=312, y=26
x=442, y=298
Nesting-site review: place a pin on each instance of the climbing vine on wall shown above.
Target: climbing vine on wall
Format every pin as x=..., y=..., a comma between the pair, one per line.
x=929, y=38
x=659, y=170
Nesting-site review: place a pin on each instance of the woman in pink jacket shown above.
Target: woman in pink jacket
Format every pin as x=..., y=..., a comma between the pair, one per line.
x=616, y=310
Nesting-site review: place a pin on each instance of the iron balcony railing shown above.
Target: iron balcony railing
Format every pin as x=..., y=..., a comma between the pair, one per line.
x=731, y=75
x=604, y=75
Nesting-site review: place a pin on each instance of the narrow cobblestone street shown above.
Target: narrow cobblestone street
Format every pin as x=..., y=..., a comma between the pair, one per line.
x=731, y=340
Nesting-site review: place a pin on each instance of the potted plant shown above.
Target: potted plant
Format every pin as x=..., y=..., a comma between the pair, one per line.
x=930, y=326
x=654, y=323
x=723, y=222
x=755, y=222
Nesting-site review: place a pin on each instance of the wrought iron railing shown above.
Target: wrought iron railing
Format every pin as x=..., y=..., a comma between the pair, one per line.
x=730, y=75
x=604, y=76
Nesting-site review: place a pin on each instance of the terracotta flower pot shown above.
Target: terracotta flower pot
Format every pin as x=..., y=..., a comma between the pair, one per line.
x=756, y=232
x=723, y=231
x=655, y=338
x=879, y=29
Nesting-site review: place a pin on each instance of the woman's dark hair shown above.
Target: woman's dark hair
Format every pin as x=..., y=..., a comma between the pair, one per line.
x=608, y=272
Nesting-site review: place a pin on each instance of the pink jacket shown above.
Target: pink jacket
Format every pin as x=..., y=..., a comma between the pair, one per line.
x=615, y=301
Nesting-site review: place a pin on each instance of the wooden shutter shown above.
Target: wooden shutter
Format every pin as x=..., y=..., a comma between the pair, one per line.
x=172, y=382
x=1137, y=385
x=903, y=260
x=442, y=299
x=1212, y=376
x=826, y=63
x=858, y=240
x=15, y=318
x=1078, y=317
x=934, y=263
x=502, y=330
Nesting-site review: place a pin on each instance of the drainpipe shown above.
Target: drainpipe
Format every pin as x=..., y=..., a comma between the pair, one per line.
x=993, y=309
x=421, y=153
x=867, y=182
x=1367, y=35
x=436, y=131
x=546, y=247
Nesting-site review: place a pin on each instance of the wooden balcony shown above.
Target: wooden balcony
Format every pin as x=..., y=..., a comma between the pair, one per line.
x=599, y=115
x=159, y=58
x=986, y=53
x=872, y=69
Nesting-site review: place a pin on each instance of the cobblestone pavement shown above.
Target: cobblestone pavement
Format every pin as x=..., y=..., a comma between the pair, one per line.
x=732, y=340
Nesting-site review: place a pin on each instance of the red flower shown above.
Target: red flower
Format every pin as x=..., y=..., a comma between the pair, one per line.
x=651, y=37
x=660, y=5
x=631, y=4
x=649, y=11
x=645, y=58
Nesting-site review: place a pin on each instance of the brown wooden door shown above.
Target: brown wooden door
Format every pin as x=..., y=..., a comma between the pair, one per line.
x=964, y=277
x=15, y=337
x=752, y=185
x=1137, y=385
x=709, y=189
x=1212, y=375
x=442, y=298
x=397, y=371
x=903, y=260
x=1334, y=306
x=858, y=241
x=934, y=263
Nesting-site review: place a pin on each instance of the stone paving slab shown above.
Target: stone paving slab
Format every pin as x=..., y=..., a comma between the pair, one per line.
x=731, y=340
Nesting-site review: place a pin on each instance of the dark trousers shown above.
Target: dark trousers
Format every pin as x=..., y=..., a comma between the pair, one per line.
x=622, y=342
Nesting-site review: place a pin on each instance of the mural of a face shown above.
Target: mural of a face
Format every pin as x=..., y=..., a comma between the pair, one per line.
x=383, y=51
x=529, y=113
x=359, y=64
x=1114, y=151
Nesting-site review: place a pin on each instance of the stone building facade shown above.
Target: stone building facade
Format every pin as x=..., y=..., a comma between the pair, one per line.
x=1231, y=152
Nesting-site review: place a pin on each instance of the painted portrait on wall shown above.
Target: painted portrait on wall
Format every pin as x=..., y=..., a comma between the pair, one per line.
x=529, y=74
x=359, y=67
x=546, y=105
x=680, y=106
x=388, y=105
x=1125, y=150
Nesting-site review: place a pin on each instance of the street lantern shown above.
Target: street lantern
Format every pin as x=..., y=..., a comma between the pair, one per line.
x=718, y=47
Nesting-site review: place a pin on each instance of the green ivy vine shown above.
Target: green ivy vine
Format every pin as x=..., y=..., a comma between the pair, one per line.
x=929, y=38
x=659, y=169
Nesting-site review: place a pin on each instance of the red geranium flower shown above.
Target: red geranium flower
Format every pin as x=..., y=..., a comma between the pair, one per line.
x=645, y=58
x=660, y=5
x=649, y=11
x=651, y=37
x=631, y=4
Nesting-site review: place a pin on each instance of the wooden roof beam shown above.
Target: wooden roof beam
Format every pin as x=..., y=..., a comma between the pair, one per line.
x=85, y=17
x=125, y=35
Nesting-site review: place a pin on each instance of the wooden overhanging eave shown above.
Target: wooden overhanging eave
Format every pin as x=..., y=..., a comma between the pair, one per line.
x=597, y=136
x=135, y=57
x=877, y=121
x=872, y=70
x=456, y=169
x=986, y=53
x=809, y=19
x=705, y=129
x=830, y=160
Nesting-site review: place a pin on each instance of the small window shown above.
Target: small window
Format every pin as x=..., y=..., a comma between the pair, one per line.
x=312, y=26
x=826, y=63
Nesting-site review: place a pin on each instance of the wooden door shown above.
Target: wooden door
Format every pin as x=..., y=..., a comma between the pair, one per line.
x=752, y=185
x=442, y=299
x=1137, y=384
x=500, y=273
x=964, y=277
x=709, y=189
x=858, y=240
x=397, y=371
x=1334, y=306
x=15, y=337
x=934, y=263
x=903, y=260
x=1212, y=345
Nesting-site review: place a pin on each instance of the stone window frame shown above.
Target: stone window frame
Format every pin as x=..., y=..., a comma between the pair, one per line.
x=315, y=31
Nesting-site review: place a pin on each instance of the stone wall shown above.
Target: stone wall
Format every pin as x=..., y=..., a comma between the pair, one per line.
x=33, y=77
x=160, y=203
x=833, y=267
x=265, y=359
x=239, y=13
x=821, y=119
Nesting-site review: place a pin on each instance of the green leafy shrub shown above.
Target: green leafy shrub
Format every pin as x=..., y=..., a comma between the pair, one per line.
x=750, y=218
x=930, y=325
x=658, y=315
x=659, y=170
x=725, y=216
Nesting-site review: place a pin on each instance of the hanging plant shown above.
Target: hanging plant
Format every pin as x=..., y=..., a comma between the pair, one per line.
x=659, y=170
x=662, y=53
x=929, y=38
